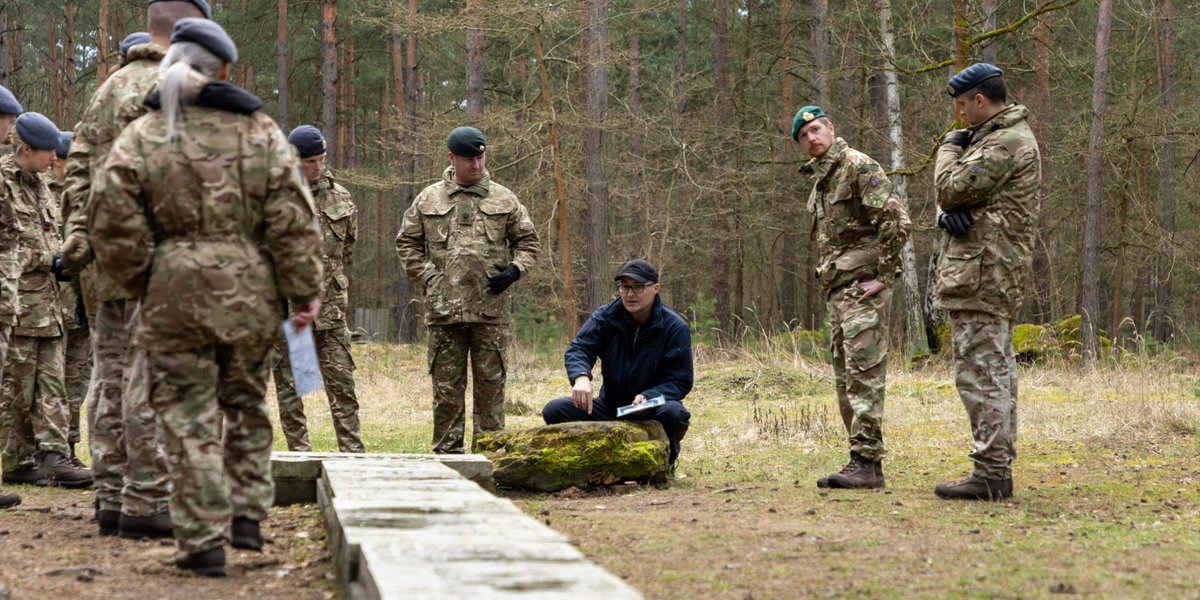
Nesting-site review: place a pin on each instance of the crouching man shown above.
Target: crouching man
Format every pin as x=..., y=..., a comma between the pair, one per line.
x=645, y=351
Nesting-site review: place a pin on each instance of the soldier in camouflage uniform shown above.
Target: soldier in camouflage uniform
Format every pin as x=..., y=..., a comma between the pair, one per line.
x=32, y=398
x=861, y=226
x=339, y=228
x=131, y=475
x=465, y=240
x=987, y=177
x=234, y=236
x=10, y=270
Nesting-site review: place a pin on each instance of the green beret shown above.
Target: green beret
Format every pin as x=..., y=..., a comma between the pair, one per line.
x=466, y=142
x=804, y=116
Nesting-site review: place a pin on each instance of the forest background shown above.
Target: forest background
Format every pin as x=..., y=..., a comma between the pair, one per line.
x=636, y=128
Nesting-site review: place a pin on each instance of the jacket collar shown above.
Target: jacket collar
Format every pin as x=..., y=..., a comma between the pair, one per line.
x=152, y=52
x=656, y=313
x=1011, y=115
x=482, y=188
x=817, y=168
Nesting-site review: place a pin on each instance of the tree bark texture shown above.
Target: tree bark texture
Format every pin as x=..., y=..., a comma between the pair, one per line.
x=1164, y=267
x=329, y=78
x=281, y=64
x=1090, y=295
x=595, y=109
x=474, y=61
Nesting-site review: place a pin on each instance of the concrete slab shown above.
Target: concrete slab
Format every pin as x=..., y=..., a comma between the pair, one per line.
x=296, y=473
x=387, y=578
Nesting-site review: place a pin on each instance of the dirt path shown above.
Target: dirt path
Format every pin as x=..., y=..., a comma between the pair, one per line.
x=50, y=548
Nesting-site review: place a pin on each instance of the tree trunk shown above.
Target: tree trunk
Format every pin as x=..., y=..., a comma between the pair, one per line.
x=988, y=51
x=102, y=41
x=722, y=274
x=821, y=67
x=680, y=57
x=594, y=55
x=329, y=79
x=70, y=72
x=6, y=62
x=638, y=177
x=351, y=109
x=1163, y=268
x=960, y=33
x=55, y=76
x=1039, y=310
x=474, y=61
x=1090, y=297
x=407, y=308
x=789, y=301
x=560, y=192
x=281, y=64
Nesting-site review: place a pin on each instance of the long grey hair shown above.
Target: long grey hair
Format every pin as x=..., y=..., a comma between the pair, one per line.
x=183, y=73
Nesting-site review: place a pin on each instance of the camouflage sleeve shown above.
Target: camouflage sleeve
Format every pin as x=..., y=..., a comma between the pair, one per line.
x=118, y=219
x=410, y=246
x=888, y=215
x=523, y=239
x=78, y=183
x=351, y=237
x=293, y=237
x=966, y=180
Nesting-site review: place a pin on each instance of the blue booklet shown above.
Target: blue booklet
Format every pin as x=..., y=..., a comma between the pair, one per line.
x=637, y=408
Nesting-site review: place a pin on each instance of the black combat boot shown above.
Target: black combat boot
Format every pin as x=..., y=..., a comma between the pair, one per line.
x=139, y=528
x=975, y=488
x=9, y=500
x=210, y=563
x=57, y=470
x=860, y=473
x=246, y=534
x=109, y=520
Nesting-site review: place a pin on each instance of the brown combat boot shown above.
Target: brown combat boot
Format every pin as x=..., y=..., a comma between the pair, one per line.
x=858, y=474
x=975, y=488
x=9, y=500
x=27, y=476
x=57, y=470
x=246, y=534
x=210, y=563
x=109, y=520
x=140, y=528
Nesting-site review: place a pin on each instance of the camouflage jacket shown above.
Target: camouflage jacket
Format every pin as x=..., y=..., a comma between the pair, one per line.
x=10, y=241
x=451, y=240
x=860, y=224
x=232, y=226
x=116, y=103
x=339, y=230
x=40, y=312
x=997, y=178
x=68, y=294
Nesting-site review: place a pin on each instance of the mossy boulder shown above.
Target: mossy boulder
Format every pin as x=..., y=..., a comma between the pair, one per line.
x=1031, y=342
x=579, y=454
x=1069, y=336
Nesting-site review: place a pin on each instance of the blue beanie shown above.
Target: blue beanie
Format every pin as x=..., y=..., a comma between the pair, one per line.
x=8, y=103
x=200, y=4
x=64, y=143
x=133, y=39
x=970, y=78
x=37, y=131
x=208, y=34
x=307, y=140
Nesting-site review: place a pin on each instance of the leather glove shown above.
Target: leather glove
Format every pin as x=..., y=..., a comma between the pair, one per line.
x=76, y=252
x=956, y=221
x=81, y=313
x=959, y=137
x=507, y=276
x=56, y=267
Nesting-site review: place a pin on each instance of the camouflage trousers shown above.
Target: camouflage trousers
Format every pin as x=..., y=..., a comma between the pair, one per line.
x=32, y=400
x=213, y=480
x=860, y=344
x=450, y=346
x=985, y=372
x=127, y=463
x=337, y=372
x=78, y=373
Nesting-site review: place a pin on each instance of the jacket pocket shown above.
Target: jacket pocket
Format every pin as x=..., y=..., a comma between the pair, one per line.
x=960, y=270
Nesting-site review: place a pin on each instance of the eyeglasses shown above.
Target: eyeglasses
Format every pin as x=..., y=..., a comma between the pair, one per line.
x=636, y=288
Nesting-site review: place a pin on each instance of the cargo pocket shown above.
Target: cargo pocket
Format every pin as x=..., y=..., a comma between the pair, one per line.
x=960, y=271
x=864, y=346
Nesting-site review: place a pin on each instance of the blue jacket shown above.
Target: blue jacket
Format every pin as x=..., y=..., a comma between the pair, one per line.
x=653, y=358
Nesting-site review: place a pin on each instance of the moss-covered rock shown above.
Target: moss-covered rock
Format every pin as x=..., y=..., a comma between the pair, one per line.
x=1069, y=336
x=1031, y=342
x=580, y=454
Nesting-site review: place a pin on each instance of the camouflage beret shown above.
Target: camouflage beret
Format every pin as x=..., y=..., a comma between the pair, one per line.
x=200, y=4
x=308, y=141
x=8, y=103
x=208, y=34
x=970, y=78
x=804, y=116
x=37, y=131
x=466, y=142
x=133, y=39
x=64, y=143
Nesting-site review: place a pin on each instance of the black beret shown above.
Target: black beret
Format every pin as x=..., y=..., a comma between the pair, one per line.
x=37, y=131
x=200, y=4
x=133, y=39
x=64, y=143
x=208, y=34
x=307, y=140
x=8, y=103
x=970, y=78
x=466, y=142
x=638, y=270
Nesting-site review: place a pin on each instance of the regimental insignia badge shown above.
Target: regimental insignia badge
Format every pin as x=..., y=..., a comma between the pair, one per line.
x=807, y=116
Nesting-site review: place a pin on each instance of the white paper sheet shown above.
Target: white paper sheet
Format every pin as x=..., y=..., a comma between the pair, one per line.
x=302, y=353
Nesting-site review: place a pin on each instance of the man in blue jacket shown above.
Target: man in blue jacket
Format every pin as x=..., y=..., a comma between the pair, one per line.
x=645, y=351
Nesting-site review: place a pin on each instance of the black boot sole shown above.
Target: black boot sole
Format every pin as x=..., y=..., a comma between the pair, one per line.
x=246, y=543
x=71, y=485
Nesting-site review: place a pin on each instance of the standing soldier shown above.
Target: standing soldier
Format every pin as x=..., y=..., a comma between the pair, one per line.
x=77, y=364
x=131, y=478
x=986, y=180
x=10, y=269
x=466, y=239
x=234, y=235
x=32, y=394
x=339, y=228
x=861, y=227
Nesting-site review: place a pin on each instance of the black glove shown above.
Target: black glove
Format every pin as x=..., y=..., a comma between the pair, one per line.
x=956, y=221
x=959, y=137
x=506, y=277
x=80, y=313
x=56, y=267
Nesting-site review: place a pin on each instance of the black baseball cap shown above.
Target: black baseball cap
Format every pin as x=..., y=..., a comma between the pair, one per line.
x=638, y=270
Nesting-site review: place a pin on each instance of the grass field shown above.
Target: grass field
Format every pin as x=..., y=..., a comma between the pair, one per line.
x=1106, y=503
